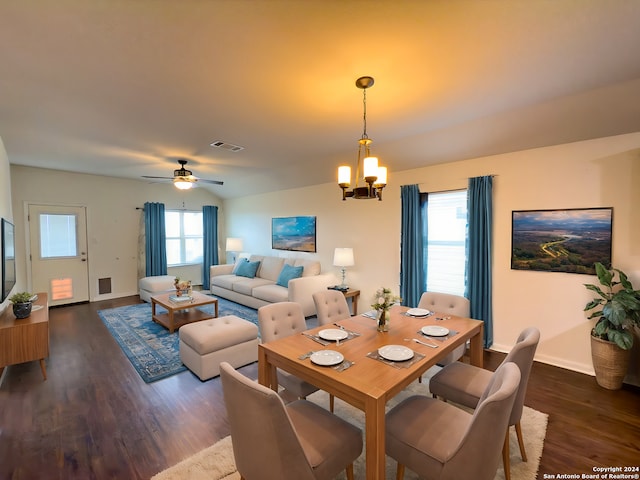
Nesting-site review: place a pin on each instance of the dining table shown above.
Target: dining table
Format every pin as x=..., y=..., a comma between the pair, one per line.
x=371, y=380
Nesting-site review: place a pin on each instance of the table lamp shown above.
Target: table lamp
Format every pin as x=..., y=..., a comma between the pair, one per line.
x=234, y=245
x=343, y=257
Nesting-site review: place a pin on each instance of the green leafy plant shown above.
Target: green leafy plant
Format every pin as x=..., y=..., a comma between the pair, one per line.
x=22, y=297
x=617, y=307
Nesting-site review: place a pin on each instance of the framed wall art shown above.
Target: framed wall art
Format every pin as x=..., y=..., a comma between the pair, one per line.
x=294, y=233
x=569, y=240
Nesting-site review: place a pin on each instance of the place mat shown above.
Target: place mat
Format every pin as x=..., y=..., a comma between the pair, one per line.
x=405, y=364
x=452, y=333
x=322, y=341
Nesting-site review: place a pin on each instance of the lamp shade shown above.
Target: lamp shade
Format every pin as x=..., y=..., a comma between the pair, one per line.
x=182, y=184
x=343, y=257
x=234, y=244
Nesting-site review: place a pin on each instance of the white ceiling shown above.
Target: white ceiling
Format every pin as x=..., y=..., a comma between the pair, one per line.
x=125, y=87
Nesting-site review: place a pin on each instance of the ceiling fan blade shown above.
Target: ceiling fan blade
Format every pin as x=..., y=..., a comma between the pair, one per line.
x=215, y=182
x=163, y=178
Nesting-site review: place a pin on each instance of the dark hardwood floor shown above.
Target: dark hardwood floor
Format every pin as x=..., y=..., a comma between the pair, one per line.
x=94, y=418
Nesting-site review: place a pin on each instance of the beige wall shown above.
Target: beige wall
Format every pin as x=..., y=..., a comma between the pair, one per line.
x=113, y=223
x=601, y=172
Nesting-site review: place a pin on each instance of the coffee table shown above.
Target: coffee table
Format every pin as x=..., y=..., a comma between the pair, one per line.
x=179, y=314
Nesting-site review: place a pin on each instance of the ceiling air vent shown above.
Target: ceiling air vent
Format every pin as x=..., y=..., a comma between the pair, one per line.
x=227, y=146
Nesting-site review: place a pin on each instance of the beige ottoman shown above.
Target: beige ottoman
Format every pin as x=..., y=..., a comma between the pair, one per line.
x=149, y=286
x=203, y=345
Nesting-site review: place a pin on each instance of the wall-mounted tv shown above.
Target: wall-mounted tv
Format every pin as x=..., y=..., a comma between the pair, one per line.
x=8, y=258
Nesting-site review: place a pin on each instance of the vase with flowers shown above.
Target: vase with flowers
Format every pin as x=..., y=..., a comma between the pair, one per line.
x=383, y=300
x=183, y=287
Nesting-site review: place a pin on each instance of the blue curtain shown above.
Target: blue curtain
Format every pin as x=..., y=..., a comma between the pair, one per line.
x=155, y=239
x=210, y=247
x=480, y=206
x=412, y=278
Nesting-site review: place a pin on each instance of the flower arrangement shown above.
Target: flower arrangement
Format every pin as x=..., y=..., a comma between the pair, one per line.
x=382, y=302
x=384, y=299
x=183, y=286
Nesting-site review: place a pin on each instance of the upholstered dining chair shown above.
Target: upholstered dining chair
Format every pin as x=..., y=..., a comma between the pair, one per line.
x=463, y=384
x=331, y=306
x=439, y=441
x=447, y=304
x=279, y=320
x=274, y=441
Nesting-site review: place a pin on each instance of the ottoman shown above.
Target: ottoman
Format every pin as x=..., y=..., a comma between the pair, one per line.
x=204, y=344
x=149, y=286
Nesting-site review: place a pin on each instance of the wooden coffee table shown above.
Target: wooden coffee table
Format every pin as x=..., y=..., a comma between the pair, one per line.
x=179, y=314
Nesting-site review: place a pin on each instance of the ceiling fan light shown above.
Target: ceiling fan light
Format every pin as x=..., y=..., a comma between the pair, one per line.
x=182, y=184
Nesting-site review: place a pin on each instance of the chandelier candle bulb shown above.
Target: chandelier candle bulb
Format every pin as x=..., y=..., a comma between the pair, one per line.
x=344, y=176
x=381, y=181
x=370, y=168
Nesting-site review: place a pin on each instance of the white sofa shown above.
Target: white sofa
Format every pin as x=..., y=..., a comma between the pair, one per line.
x=263, y=290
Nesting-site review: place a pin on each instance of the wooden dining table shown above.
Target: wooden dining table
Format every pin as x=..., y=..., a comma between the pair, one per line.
x=370, y=382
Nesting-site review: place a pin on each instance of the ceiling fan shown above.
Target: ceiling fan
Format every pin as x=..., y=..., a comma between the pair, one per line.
x=183, y=179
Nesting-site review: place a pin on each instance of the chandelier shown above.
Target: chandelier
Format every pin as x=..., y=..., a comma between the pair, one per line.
x=374, y=176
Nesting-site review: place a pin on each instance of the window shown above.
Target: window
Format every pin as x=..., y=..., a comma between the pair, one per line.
x=58, y=235
x=445, y=221
x=184, y=237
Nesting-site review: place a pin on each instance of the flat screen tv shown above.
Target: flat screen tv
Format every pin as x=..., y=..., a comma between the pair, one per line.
x=8, y=258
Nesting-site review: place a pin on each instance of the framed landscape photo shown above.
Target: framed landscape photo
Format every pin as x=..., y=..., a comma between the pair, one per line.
x=294, y=233
x=569, y=240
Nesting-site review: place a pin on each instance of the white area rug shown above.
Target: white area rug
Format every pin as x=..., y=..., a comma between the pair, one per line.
x=216, y=462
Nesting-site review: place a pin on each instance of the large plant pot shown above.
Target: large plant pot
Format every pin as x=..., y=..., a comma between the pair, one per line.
x=610, y=363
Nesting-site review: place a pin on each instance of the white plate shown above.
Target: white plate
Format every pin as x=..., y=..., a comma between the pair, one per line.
x=396, y=353
x=332, y=334
x=435, y=330
x=326, y=357
x=418, y=312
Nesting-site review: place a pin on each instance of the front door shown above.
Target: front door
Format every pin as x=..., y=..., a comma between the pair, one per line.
x=58, y=240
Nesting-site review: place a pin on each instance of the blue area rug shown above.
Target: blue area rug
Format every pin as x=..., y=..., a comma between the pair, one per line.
x=150, y=348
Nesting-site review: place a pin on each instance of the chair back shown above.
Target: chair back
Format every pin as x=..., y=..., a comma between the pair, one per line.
x=522, y=355
x=479, y=451
x=445, y=303
x=265, y=444
x=279, y=320
x=331, y=306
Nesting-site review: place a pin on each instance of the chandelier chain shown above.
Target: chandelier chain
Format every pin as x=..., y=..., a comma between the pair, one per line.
x=364, y=113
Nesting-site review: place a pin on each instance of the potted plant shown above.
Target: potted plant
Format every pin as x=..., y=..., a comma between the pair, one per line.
x=22, y=303
x=617, y=310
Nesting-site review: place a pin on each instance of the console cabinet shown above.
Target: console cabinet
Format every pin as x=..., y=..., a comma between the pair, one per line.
x=26, y=339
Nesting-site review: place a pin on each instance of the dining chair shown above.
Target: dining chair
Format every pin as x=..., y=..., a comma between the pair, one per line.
x=331, y=306
x=463, y=384
x=279, y=320
x=274, y=441
x=447, y=304
x=439, y=441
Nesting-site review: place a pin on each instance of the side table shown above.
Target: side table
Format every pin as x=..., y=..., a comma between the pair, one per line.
x=354, y=295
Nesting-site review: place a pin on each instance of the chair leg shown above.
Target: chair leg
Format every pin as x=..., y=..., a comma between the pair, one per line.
x=505, y=457
x=349, y=471
x=400, y=472
x=521, y=442
x=420, y=379
x=331, y=402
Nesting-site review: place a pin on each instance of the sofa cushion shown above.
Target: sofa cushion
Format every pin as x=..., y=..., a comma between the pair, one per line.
x=311, y=267
x=247, y=269
x=239, y=262
x=226, y=281
x=246, y=285
x=270, y=268
x=271, y=293
x=288, y=273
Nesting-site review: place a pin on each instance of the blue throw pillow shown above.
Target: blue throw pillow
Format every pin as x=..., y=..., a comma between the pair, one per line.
x=288, y=273
x=239, y=262
x=247, y=269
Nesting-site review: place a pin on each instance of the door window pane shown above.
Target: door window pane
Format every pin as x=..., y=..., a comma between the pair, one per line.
x=58, y=235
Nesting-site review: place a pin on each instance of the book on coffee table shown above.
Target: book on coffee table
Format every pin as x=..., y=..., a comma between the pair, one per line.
x=181, y=299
